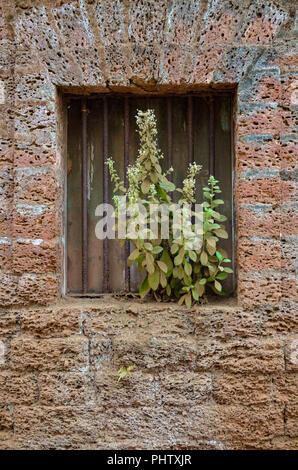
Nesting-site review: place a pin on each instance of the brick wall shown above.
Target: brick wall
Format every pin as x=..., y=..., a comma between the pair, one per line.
x=216, y=377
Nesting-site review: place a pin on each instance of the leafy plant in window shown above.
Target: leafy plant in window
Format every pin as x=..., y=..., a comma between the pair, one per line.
x=172, y=269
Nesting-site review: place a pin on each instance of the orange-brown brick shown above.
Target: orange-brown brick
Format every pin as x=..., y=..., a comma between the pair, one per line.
x=39, y=187
x=35, y=258
x=258, y=255
x=37, y=222
x=267, y=122
x=259, y=222
x=264, y=190
x=41, y=289
x=258, y=155
x=256, y=288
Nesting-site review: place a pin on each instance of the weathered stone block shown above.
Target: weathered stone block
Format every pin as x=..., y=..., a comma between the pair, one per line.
x=40, y=289
x=37, y=256
x=35, y=222
x=241, y=356
x=258, y=254
x=259, y=191
x=50, y=322
x=183, y=387
x=285, y=388
x=292, y=420
x=155, y=351
x=18, y=389
x=138, y=388
x=36, y=186
x=256, y=289
x=262, y=220
x=249, y=389
x=66, y=388
x=49, y=354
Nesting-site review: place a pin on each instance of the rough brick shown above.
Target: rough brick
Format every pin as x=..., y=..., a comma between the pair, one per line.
x=292, y=420
x=8, y=289
x=263, y=220
x=261, y=191
x=6, y=423
x=241, y=356
x=258, y=155
x=258, y=255
x=36, y=256
x=138, y=388
x=66, y=388
x=18, y=389
x=9, y=322
x=35, y=186
x=150, y=351
x=284, y=388
x=51, y=322
x=40, y=289
x=256, y=288
x=242, y=389
x=35, y=222
x=49, y=354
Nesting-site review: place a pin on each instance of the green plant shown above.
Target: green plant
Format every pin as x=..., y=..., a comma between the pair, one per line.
x=124, y=371
x=172, y=267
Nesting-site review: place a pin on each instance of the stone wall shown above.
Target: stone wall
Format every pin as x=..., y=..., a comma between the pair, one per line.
x=214, y=377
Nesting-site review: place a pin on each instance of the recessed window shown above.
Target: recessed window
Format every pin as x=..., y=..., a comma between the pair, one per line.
x=191, y=128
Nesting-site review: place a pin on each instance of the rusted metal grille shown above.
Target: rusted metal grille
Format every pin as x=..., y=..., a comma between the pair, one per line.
x=191, y=128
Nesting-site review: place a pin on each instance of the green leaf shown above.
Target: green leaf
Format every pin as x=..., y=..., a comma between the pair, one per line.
x=165, y=258
x=179, y=258
x=223, y=292
x=217, y=202
x=163, y=280
x=218, y=286
x=188, y=300
x=168, y=186
x=192, y=255
x=168, y=290
x=145, y=186
x=187, y=268
x=204, y=258
x=174, y=248
x=219, y=256
x=153, y=279
x=133, y=255
x=150, y=263
x=210, y=248
x=221, y=276
x=144, y=288
x=202, y=281
x=228, y=270
x=195, y=293
x=157, y=249
x=222, y=233
x=162, y=266
x=148, y=246
x=181, y=300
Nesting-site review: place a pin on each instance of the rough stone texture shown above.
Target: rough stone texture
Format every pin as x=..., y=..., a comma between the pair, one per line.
x=221, y=376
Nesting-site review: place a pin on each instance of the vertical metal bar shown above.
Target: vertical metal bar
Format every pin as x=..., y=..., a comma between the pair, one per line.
x=126, y=160
x=190, y=127
x=211, y=137
x=170, y=136
x=106, y=273
x=84, y=199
